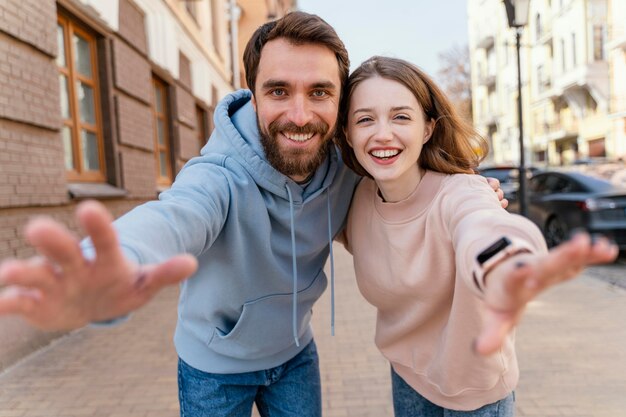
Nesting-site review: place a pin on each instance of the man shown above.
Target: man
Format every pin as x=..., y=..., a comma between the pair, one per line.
x=255, y=213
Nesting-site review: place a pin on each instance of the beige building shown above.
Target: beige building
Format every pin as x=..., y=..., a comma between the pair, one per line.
x=570, y=74
x=250, y=14
x=616, y=51
x=105, y=99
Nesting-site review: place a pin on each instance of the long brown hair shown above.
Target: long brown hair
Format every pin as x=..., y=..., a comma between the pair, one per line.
x=298, y=28
x=454, y=146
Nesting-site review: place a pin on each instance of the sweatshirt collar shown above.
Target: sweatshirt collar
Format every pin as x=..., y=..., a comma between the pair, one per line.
x=415, y=204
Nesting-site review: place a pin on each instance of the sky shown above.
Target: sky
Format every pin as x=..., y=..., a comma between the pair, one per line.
x=415, y=30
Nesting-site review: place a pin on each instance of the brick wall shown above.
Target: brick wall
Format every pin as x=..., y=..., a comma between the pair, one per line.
x=132, y=26
x=32, y=171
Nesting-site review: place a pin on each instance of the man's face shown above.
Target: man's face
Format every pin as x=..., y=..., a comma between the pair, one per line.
x=296, y=99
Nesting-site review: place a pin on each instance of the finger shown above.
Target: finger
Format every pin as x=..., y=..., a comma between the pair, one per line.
x=55, y=242
x=97, y=222
x=497, y=327
x=34, y=273
x=504, y=203
x=494, y=183
x=603, y=251
x=500, y=194
x=565, y=260
x=15, y=300
x=170, y=272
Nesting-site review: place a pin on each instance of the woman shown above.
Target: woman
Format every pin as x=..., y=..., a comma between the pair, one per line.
x=448, y=269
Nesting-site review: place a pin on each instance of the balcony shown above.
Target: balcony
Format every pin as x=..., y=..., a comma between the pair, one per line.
x=488, y=80
x=485, y=41
x=591, y=78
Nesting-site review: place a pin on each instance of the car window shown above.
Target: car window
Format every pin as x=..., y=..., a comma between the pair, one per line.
x=502, y=175
x=538, y=184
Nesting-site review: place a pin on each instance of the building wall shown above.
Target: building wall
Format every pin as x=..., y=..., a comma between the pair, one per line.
x=253, y=13
x=568, y=84
x=136, y=40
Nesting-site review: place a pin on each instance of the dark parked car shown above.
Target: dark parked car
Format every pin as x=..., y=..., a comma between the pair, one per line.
x=559, y=202
x=508, y=176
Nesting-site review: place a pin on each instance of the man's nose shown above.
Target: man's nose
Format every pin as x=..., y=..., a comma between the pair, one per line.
x=300, y=111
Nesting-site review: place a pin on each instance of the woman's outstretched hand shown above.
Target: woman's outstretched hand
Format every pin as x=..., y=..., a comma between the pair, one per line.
x=60, y=289
x=516, y=281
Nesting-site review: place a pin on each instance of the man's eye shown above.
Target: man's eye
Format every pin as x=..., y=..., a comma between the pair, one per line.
x=277, y=92
x=319, y=93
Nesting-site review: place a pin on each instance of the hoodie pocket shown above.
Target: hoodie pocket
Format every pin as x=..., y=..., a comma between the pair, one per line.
x=265, y=325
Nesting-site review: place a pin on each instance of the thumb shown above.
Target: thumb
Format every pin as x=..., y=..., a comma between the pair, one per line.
x=170, y=272
x=497, y=327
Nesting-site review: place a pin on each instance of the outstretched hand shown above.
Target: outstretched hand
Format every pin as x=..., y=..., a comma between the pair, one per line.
x=512, y=284
x=62, y=290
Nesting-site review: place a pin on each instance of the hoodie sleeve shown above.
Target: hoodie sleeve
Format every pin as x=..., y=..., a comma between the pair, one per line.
x=187, y=218
x=476, y=220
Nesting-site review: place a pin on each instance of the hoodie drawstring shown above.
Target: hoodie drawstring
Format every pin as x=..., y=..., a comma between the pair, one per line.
x=332, y=266
x=294, y=318
x=294, y=323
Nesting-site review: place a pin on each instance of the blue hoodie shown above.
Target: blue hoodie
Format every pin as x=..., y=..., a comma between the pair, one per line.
x=260, y=238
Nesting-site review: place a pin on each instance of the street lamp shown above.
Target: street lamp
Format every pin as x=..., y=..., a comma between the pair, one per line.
x=517, y=15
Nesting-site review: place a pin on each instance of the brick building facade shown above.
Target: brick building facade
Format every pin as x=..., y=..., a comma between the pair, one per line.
x=103, y=99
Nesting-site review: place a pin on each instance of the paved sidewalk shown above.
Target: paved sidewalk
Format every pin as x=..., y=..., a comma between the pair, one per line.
x=571, y=344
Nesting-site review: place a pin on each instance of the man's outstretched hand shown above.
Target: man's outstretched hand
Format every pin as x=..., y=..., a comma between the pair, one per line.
x=60, y=289
x=515, y=282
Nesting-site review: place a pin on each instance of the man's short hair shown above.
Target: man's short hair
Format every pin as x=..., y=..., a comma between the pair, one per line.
x=298, y=28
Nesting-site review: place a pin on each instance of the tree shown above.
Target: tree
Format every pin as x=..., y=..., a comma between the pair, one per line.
x=454, y=76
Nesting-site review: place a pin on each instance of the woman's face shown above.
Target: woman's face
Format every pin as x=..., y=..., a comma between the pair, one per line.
x=386, y=128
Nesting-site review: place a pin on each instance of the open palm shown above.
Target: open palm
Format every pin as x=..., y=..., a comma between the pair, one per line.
x=60, y=289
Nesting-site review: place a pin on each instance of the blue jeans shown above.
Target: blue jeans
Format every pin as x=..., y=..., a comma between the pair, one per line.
x=292, y=389
x=408, y=403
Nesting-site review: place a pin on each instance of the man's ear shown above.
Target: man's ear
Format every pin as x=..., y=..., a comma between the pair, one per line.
x=429, y=127
x=253, y=101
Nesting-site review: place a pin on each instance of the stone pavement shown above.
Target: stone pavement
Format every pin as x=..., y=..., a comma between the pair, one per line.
x=571, y=344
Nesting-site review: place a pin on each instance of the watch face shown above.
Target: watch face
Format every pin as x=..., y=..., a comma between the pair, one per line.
x=492, y=250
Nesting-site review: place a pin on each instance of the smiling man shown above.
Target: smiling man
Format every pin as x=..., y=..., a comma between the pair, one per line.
x=257, y=211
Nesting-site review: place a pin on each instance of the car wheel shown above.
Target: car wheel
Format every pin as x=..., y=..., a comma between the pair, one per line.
x=556, y=232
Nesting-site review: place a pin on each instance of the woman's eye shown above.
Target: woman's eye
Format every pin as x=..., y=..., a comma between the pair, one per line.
x=402, y=117
x=363, y=120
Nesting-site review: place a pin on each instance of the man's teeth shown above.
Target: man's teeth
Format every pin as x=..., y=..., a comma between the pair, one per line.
x=299, y=137
x=387, y=153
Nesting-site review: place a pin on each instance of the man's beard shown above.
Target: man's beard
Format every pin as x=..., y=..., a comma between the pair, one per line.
x=295, y=162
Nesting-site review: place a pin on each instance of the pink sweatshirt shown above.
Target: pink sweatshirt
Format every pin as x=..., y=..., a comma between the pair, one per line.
x=413, y=261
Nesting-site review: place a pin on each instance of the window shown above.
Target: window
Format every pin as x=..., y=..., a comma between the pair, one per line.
x=562, y=55
x=574, y=63
x=215, y=26
x=162, y=150
x=598, y=42
x=202, y=131
x=79, y=95
x=538, y=27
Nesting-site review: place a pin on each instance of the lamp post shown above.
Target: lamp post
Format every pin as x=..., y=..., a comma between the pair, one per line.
x=517, y=15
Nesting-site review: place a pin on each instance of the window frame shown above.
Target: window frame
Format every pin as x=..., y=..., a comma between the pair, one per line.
x=77, y=174
x=163, y=181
